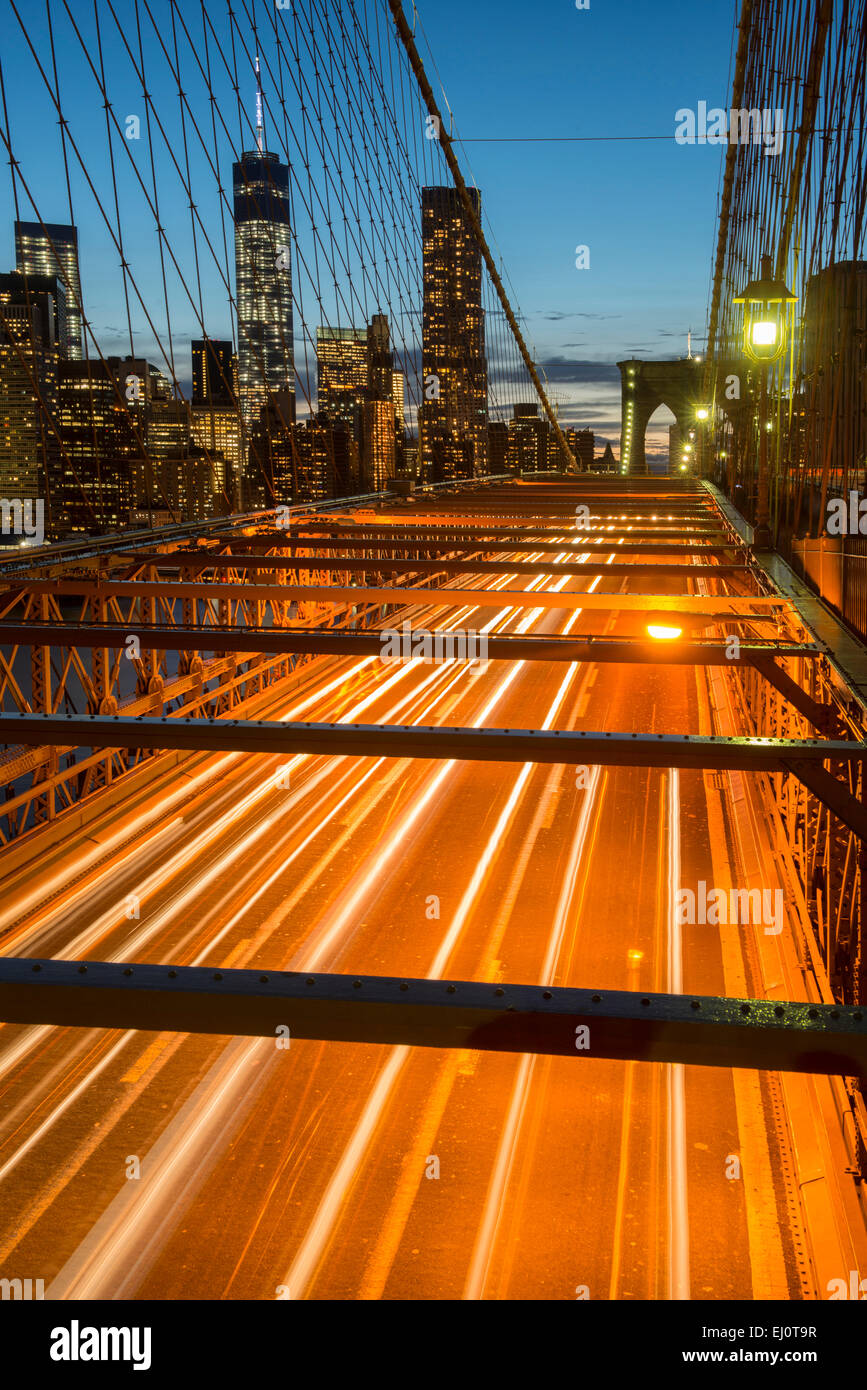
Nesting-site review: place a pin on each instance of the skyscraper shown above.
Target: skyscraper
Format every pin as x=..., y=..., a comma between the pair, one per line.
x=213, y=372
x=263, y=277
x=93, y=490
x=28, y=383
x=52, y=249
x=341, y=358
x=380, y=433
x=528, y=439
x=399, y=393
x=454, y=412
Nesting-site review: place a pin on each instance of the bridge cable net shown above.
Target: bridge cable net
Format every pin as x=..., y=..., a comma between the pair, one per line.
x=248, y=178
x=797, y=194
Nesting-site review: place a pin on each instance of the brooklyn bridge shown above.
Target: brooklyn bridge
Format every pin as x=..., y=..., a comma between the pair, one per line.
x=433, y=855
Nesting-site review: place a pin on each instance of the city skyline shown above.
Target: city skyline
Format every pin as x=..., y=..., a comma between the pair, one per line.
x=579, y=338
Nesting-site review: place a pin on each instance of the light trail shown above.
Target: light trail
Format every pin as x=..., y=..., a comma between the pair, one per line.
x=86, y=940
x=527, y=620
x=494, y=1208
x=678, y=1208
x=319, y=1233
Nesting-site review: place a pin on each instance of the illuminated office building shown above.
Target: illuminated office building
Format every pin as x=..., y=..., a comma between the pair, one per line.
x=52, y=249
x=214, y=372
x=528, y=440
x=215, y=422
x=341, y=358
x=399, y=395
x=30, y=311
x=454, y=410
x=263, y=280
x=93, y=488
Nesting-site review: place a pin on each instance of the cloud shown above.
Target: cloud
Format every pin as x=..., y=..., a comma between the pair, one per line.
x=579, y=370
x=557, y=315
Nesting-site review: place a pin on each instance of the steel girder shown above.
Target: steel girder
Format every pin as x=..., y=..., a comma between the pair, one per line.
x=574, y=747
x=352, y=596
x=342, y=642
x=695, y=1030
x=291, y=560
x=464, y=547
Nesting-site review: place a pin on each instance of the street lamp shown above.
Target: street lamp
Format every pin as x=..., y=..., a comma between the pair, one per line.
x=765, y=304
x=664, y=632
x=668, y=626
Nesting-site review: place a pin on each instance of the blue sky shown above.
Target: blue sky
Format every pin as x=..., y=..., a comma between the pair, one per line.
x=645, y=208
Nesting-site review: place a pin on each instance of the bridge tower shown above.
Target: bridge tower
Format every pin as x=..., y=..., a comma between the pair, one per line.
x=644, y=387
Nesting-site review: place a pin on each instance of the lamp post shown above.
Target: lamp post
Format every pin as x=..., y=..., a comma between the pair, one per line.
x=765, y=302
x=702, y=416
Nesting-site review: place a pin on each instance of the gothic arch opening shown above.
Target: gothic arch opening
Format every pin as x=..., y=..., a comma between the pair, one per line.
x=644, y=387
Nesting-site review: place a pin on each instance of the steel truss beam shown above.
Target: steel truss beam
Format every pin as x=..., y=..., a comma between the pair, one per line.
x=463, y=547
x=661, y=533
x=818, y=714
x=574, y=747
x=612, y=651
x=696, y=1030
x=594, y=542
x=351, y=596
x=422, y=529
x=293, y=561
x=425, y=741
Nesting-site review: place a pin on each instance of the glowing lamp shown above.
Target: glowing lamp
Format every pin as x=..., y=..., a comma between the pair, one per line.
x=764, y=303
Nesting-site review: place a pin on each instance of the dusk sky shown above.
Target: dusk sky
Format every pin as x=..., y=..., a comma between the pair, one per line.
x=643, y=205
x=646, y=208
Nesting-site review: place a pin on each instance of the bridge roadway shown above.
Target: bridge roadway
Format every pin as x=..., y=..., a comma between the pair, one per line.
x=269, y=1172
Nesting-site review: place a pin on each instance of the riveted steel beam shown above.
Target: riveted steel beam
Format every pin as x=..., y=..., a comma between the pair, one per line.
x=426, y=741
x=293, y=561
x=352, y=596
x=611, y=651
x=583, y=1024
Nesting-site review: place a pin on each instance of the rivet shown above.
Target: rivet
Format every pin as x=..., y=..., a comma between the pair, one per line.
x=404, y=987
x=127, y=971
x=645, y=1003
x=450, y=989
x=745, y=1008
x=36, y=969
x=779, y=1011
x=546, y=994
x=218, y=976
x=82, y=970
x=695, y=1004
x=499, y=992
x=173, y=974
x=597, y=999
x=311, y=981
x=356, y=984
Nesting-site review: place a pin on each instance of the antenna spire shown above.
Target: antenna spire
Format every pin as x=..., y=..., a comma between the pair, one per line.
x=260, y=128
